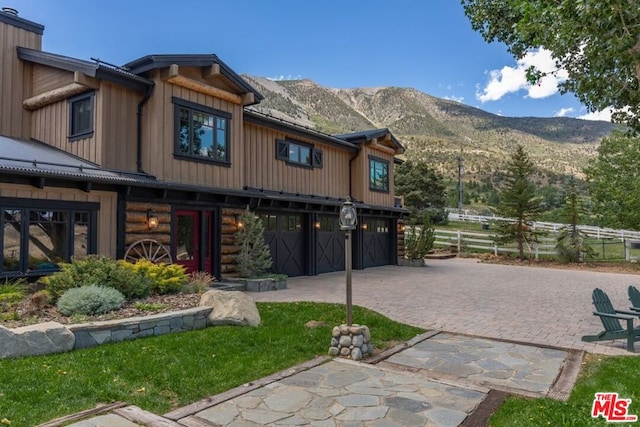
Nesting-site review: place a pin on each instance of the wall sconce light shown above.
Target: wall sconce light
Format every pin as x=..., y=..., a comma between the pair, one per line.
x=401, y=228
x=365, y=226
x=317, y=225
x=152, y=220
x=239, y=224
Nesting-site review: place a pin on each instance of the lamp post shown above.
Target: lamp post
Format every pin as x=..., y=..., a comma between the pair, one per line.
x=348, y=222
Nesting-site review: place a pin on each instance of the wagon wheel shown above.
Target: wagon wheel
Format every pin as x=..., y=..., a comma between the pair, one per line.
x=149, y=249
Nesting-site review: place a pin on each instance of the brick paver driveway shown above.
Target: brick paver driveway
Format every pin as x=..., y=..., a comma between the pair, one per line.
x=528, y=304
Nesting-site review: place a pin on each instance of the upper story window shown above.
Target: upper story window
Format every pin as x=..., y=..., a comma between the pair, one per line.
x=378, y=174
x=202, y=133
x=298, y=153
x=81, y=116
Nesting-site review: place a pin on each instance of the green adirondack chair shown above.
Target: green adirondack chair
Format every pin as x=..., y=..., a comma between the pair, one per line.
x=611, y=318
x=634, y=298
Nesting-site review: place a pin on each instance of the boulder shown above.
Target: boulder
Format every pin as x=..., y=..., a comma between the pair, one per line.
x=34, y=340
x=230, y=308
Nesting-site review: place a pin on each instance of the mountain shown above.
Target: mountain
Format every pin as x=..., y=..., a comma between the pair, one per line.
x=438, y=130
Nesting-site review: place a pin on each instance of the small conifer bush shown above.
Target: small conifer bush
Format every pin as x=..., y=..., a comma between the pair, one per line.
x=254, y=259
x=90, y=300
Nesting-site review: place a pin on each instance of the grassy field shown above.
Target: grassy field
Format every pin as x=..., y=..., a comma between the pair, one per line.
x=166, y=372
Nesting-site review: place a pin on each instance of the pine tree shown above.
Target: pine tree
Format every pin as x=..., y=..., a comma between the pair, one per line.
x=518, y=202
x=571, y=244
x=254, y=259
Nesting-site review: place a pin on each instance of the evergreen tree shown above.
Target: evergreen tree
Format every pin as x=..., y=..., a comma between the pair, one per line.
x=254, y=259
x=423, y=189
x=518, y=202
x=571, y=245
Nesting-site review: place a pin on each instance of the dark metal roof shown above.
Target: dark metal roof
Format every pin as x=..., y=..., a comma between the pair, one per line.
x=16, y=21
x=37, y=159
x=95, y=69
x=368, y=135
x=253, y=116
x=152, y=62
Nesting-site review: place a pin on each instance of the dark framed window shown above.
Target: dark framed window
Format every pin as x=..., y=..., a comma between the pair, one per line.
x=201, y=132
x=81, y=116
x=298, y=153
x=378, y=174
x=37, y=234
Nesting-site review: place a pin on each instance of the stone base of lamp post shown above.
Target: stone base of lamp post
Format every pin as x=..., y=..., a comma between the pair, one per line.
x=351, y=342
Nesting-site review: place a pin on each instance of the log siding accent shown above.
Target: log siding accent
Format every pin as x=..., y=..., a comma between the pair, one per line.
x=228, y=249
x=136, y=222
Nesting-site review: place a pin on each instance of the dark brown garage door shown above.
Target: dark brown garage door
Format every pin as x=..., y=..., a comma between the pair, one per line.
x=329, y=245
x=376, y=242
x=284, y=233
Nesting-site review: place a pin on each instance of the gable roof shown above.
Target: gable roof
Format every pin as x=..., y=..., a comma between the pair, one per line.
x=152, y=62
x=369, y=135
x=97, y=69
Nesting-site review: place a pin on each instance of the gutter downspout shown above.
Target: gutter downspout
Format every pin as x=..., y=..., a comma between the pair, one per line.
x=350, y=169
x=141, y=104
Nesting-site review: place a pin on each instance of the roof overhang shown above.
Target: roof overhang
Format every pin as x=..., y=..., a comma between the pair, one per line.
x=251, y=116
x=382, y=137
x=211, y=64
x=95, y=69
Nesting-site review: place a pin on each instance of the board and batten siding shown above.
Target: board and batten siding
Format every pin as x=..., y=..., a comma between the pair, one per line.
x=263, y=170
x=48, y=78
x=51, y=125
x=158, y=140
x=116, y=126
x=107, y=214
x=16, y=80
x=360, y=177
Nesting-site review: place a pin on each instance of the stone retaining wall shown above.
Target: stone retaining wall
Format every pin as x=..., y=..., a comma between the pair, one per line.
x=96, y=333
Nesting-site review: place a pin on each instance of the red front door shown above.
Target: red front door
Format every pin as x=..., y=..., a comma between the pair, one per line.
x=193, y=240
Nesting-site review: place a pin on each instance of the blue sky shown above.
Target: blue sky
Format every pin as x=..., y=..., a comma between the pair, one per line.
x=427, y=45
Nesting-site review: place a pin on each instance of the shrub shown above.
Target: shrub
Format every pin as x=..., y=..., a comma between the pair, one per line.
x=254, y=259
x=131, y=282
x=90, y=300
x=419, y=241
x=165, y=278
x=97, y=269
x=12, y=291
x=39, y=299
x=198, y=283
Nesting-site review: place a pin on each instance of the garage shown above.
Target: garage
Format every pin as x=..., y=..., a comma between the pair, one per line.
x=376, y=242
x=329, y=253
x=284, y=233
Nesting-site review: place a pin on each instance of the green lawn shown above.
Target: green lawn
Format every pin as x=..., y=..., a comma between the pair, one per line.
x=162, y=373
x=599, y=374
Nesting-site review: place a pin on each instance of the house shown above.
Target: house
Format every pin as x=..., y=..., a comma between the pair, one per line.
x=159, y=157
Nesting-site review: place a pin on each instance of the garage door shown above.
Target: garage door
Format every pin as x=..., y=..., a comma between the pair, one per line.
x=285, y=236
x=329, y=245
x=376, y=242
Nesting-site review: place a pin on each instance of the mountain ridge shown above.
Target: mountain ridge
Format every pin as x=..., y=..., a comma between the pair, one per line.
x=437, y=130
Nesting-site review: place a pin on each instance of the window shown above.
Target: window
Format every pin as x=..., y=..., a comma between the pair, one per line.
x=36, y=235
x=81, y=116
x=378, y=174
x=298, y=153
x=202, y=133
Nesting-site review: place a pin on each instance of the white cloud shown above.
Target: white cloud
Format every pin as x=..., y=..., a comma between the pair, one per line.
x=604, y=115
x=287, y=77
x=454, y=98
x=563, y=112
x=514, y=79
